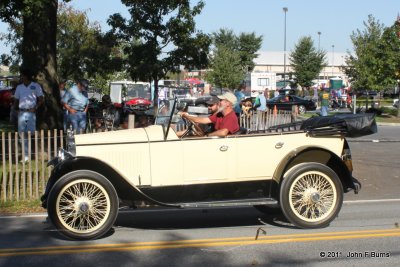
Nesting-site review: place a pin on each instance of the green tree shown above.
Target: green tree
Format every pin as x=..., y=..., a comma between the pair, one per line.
x=390, y=49
x=306, y=61
x=226, y=68
x=38, y=49
x=82, y=49
x=246, y=44
x=161, y=36
x=366, y=66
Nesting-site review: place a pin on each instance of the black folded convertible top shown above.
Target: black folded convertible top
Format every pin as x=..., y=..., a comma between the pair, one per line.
x=351, y=125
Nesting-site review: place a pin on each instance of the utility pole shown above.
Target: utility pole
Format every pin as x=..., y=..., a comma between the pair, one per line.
x=285, y=10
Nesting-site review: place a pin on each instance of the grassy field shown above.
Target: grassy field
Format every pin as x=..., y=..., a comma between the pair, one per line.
x=20, y=207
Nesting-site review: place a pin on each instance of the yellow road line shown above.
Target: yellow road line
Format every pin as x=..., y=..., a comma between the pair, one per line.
x=201, y=243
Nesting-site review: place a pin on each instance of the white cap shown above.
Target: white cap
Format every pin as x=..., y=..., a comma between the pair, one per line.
x=230, y=97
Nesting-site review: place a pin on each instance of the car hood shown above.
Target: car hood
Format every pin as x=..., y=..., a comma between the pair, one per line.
x=151, y=133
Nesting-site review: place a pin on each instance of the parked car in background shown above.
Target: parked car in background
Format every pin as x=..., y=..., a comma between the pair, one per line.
x=286, y=102
x=395, y=103
x=369, y=93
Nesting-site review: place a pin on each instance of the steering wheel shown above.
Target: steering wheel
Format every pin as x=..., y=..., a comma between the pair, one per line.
x=193, y=129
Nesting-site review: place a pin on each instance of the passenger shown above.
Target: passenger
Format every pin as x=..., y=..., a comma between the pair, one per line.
x=212, y=106
x=224, y=124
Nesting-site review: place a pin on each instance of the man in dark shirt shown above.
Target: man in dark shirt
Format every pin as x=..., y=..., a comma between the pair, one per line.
x=225, y=124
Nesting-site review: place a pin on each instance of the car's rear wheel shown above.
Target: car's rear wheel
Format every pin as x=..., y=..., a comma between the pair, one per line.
x=311, y=195
x=83, y=205
x=302, y=109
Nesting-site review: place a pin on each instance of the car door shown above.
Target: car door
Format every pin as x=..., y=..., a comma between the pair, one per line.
x=206, y=160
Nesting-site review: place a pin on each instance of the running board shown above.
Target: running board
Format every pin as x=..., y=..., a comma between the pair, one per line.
x=230, y=203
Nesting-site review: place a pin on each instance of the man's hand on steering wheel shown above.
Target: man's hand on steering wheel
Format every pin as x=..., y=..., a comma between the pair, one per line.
x=193, y=128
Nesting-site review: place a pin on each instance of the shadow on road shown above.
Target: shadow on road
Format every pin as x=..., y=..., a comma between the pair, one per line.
x=198, y=218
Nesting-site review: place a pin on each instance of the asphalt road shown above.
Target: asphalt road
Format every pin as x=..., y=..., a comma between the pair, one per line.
x=219, y=237
x=366, y=232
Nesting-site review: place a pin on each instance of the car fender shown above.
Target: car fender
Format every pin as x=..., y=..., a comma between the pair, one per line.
x=304, y=155
x=125, y=189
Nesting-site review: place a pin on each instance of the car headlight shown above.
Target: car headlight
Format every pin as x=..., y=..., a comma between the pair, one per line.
x=61, y=156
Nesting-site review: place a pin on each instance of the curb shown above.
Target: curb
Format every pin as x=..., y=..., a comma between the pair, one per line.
x=388, y=124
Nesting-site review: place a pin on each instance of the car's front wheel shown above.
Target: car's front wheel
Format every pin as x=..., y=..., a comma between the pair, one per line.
x=83, y=205
x=311, y=195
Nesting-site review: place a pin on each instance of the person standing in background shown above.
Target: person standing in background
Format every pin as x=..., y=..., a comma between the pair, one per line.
x=261, y=101
x=76, y=103
x=27, y=100
x=239, y=97
x=324, y=101
x=64, y=111
x=276, y=93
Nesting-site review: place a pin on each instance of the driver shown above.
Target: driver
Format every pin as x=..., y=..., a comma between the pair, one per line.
x=225, y=120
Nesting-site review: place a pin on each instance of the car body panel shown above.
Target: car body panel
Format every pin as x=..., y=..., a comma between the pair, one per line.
x=145, y=158
x=126, y=151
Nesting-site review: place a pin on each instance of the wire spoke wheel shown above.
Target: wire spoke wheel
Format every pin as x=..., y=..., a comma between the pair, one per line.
x=312, y=196
x=83, y=206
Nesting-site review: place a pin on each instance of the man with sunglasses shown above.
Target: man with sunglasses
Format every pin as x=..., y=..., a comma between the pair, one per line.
x=224, y=124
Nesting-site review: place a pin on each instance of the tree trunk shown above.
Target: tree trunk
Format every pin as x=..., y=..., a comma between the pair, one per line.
x=39, y=55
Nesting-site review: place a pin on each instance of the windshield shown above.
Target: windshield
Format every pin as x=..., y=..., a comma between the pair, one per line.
x=167, y=115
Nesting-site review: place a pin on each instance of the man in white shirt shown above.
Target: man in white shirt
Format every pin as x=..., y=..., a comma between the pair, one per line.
x=27, y=99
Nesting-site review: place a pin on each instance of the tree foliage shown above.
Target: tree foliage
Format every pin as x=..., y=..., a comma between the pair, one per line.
x=390, y=49
x=38, y=49
x=306, y=61
x=246, y=45
x=227, y=70
x=366, y=67
x=82, y=49
x=160, y=37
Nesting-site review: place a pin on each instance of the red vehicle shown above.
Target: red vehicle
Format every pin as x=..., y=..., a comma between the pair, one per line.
x=132, y=98
x=6, y=100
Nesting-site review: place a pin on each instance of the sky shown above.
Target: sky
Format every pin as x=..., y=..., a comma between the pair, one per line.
x=335, y=19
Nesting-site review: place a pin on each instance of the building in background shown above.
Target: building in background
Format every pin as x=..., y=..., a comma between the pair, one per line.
x=272, y=61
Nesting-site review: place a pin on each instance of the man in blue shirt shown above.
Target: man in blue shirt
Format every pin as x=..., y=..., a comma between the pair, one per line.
x=239, y=96
x=76, y=103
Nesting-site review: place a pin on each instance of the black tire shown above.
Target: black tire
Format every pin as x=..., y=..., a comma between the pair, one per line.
x=311, y=195
x=301, y=109
x=83, y=205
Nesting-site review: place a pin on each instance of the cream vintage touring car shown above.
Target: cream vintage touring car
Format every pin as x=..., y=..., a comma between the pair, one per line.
x=304, y=168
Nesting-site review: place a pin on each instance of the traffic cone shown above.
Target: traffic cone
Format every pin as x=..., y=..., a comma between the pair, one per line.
x=275, y=111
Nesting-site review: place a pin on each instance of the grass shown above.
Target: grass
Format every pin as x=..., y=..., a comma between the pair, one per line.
x=19, y=207
x=6, y=126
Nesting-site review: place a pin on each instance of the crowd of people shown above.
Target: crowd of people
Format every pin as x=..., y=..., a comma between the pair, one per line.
x=28, y=98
